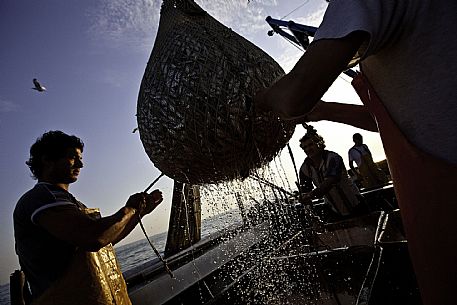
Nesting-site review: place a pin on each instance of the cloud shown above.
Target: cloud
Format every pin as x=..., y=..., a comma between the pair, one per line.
x=7, y=106
x=245, y=18
x=134, y=22
x=314, y=18
x=125, y=22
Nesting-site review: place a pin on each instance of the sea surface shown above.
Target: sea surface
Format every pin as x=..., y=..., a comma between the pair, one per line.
x=139, y=252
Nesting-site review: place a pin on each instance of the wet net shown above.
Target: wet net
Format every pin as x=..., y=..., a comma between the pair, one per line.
x=195, y=114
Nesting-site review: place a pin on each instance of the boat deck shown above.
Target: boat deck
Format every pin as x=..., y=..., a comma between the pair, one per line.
x=362, y=260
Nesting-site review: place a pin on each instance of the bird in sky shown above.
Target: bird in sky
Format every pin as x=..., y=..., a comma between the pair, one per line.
x=38, y=87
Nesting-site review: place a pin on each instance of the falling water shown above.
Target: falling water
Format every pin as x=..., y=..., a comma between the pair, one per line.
x=270, y=273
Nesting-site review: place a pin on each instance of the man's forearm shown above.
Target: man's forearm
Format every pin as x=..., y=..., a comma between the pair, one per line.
x=324, y=187
x=129, y=225
x=114, y=228
x=355, y=115
x=295, y=94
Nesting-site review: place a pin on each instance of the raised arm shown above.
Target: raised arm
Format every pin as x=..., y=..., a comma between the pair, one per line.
x=71, y=225
x=297, y=93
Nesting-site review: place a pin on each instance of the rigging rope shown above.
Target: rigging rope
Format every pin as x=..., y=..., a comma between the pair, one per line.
x=146, y=235
x=295, y=9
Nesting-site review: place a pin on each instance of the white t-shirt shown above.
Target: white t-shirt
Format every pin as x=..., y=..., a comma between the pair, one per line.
x=356, y=152
x=411, y=61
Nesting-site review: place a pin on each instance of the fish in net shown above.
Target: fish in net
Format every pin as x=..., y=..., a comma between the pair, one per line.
x=195, y=114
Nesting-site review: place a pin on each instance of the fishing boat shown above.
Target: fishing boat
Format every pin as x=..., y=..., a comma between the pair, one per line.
x=285, y=252
x=289, y=255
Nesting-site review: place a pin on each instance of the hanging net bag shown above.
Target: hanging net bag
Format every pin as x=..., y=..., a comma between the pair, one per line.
x=195, y=114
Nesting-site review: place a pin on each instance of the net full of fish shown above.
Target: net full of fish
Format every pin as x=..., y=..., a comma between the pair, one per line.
x=195, y=114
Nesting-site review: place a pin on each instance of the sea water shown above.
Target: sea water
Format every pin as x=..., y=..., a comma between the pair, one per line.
x=136, y=253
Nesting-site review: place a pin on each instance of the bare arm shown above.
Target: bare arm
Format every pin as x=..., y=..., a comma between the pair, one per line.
x=354, y=169
x=355, y=115
x=297, y=93
x=351, y=165
x=320, y=191
x=325, y=187
x=77, y=228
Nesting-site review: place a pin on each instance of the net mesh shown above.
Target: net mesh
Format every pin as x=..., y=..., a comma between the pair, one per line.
x=195, y=114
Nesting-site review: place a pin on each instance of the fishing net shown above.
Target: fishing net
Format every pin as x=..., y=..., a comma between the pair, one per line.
x=195, y=114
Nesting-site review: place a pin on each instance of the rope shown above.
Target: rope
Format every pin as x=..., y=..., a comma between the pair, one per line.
x=295, y=166
x=153, y=182
x=146, y=235
x=295, y=9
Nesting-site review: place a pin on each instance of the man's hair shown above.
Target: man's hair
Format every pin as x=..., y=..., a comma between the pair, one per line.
x=357, y=136
x=52, y=144
x=311, y=134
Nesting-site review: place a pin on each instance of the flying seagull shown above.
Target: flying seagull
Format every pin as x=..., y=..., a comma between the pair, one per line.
x=38, y=86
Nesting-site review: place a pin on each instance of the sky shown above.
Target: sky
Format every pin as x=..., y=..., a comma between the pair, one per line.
x=91, y=56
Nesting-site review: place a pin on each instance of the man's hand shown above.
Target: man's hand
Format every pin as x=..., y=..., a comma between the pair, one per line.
x=306, y=198
x=152, y=201
x=318, y=113
x=145, y=203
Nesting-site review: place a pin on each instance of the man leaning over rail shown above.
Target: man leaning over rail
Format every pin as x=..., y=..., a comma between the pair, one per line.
x=325, y=169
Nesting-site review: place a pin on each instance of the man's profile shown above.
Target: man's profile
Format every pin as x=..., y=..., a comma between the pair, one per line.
x=65, y=248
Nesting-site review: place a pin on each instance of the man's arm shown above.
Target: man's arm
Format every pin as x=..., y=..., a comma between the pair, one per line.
x=298, y=92
x=351, y=161
x=351, y=165
x=331, y=176
x=71, y=225
x=305, y=187
x=368, y=150
x=306, y=184
x=324, y=187
x=349, y=114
